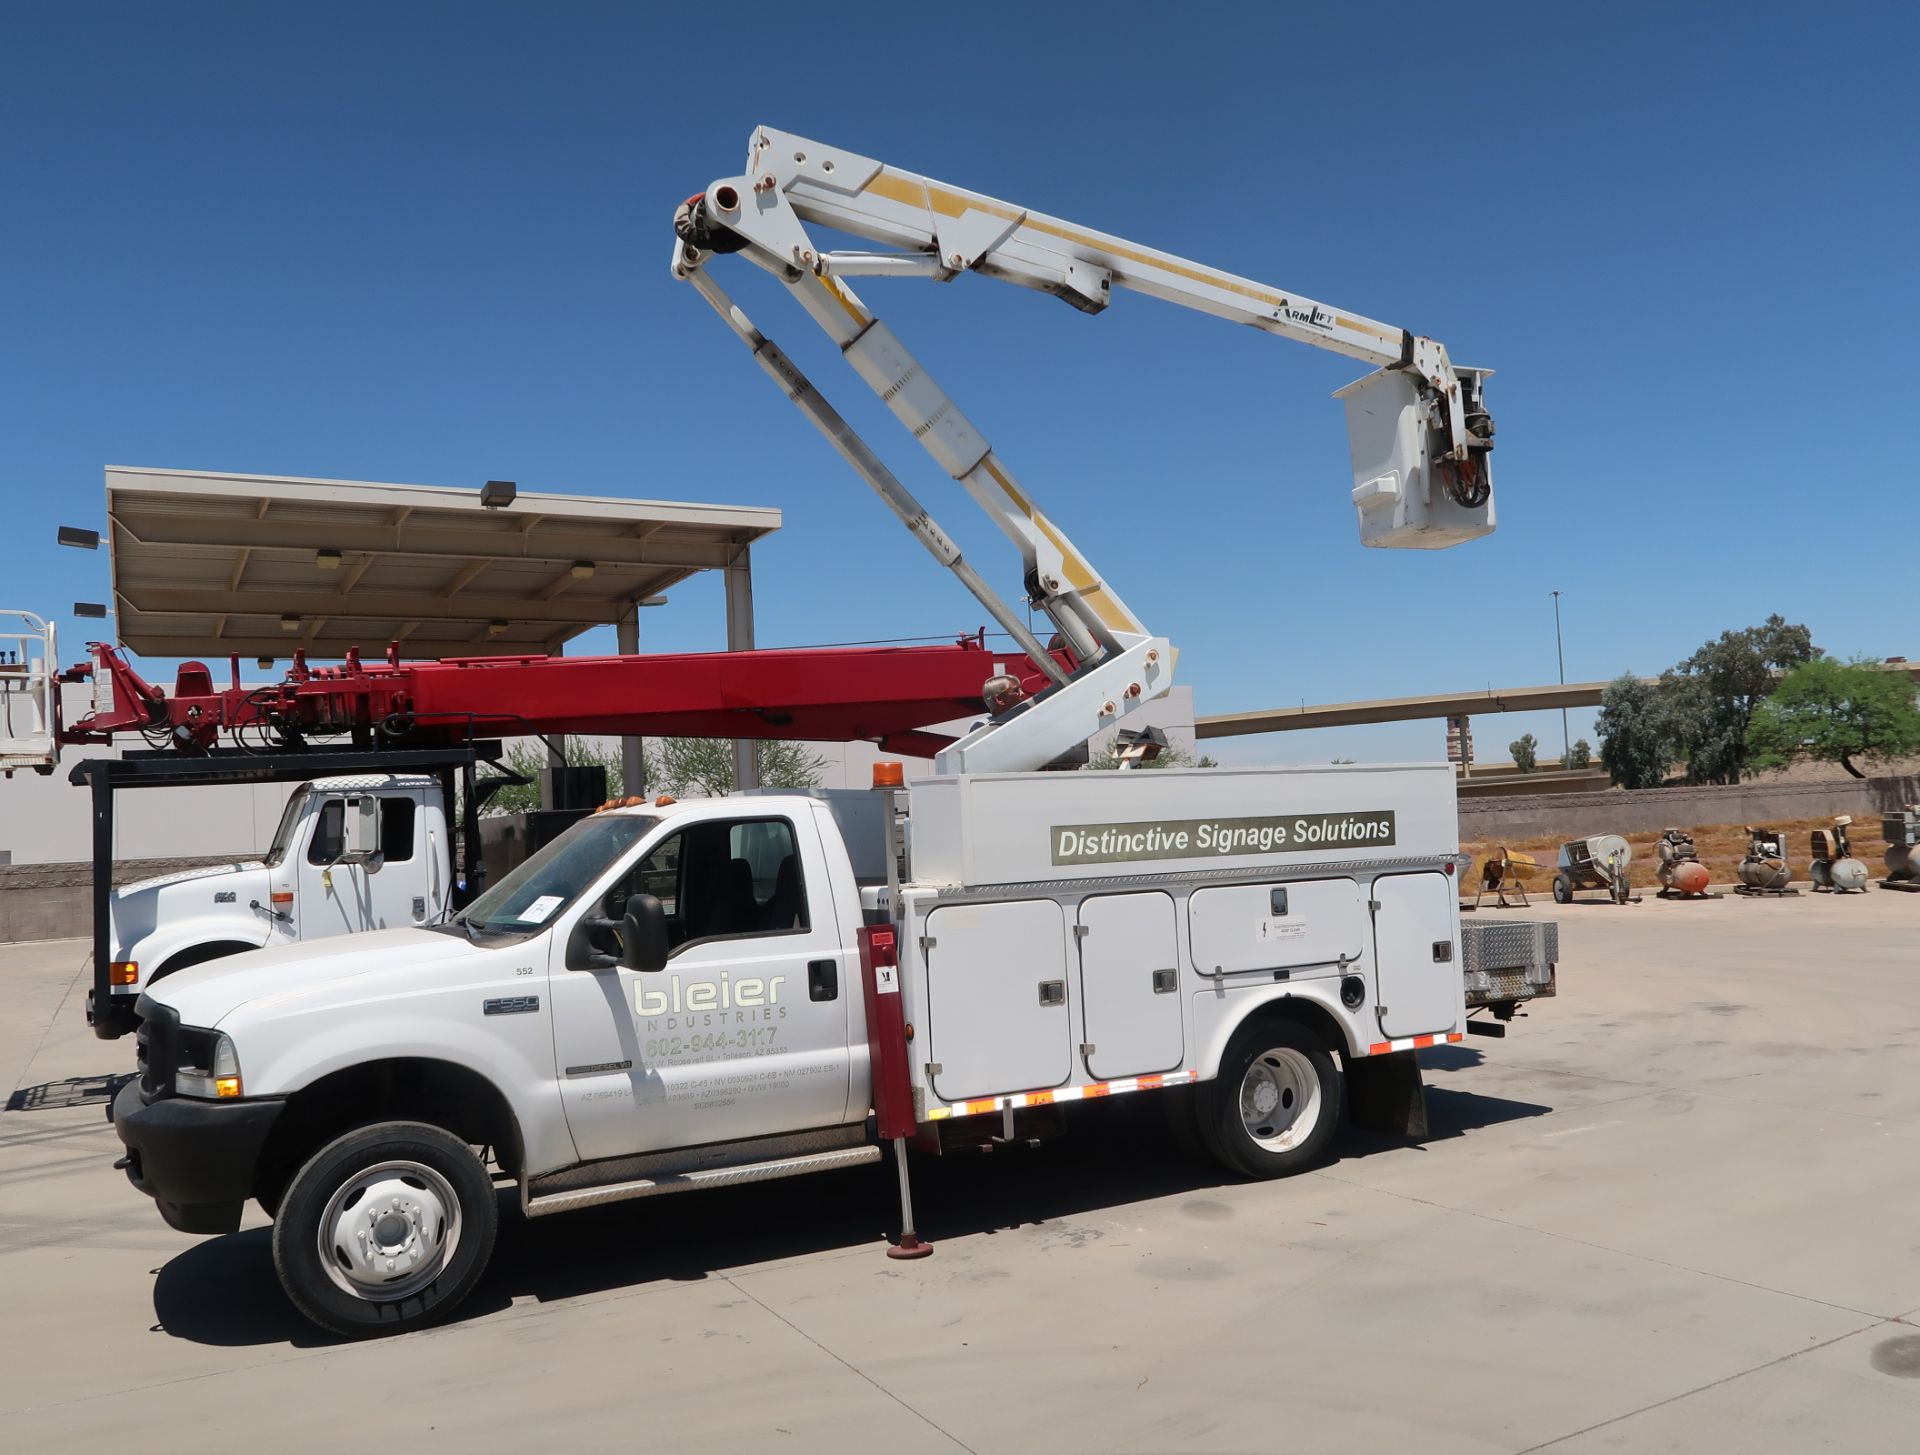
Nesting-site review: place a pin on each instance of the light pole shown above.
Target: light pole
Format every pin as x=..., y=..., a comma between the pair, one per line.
x=1560, y=651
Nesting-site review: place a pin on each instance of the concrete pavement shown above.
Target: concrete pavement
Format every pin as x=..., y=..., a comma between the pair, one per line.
x=1672, y=1210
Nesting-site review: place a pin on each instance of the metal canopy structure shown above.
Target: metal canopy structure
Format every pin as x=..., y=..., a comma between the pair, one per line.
x=262, y=565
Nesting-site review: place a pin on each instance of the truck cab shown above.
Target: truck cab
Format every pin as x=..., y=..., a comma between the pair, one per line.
x=349, y=854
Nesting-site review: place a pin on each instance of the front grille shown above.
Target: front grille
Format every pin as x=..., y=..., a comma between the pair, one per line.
x=157, y=1049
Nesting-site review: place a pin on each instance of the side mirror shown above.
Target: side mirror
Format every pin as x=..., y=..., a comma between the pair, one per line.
x=362, y=827
x=643, y=934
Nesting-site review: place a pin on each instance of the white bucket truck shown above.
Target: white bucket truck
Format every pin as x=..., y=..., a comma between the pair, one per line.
x=674, y=997
x=690, y=995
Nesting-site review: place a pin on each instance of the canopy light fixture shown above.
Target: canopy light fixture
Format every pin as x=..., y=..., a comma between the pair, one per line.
x=582, y=570
x=265, y=664
x=73, y=535
x=289, y=623
x=498, y=494
x=495, y=627
x=89, y=608
x=327, y=560
x=651, y=601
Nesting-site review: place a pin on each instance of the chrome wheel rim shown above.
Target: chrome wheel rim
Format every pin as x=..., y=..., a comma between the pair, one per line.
x=1280, y=1099
x=389, y=1230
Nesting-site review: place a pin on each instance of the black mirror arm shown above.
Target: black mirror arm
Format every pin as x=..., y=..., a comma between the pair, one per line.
x=580, y=952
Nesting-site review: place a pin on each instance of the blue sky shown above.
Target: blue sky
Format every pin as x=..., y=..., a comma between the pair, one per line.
x=428, y=243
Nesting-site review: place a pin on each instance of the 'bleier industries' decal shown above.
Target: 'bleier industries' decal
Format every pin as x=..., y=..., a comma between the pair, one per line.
x=1119, y=843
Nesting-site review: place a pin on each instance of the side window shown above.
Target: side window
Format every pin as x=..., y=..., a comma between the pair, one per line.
x=721, y=879
x=766, y=847
x=396, y=829
x=329, y=840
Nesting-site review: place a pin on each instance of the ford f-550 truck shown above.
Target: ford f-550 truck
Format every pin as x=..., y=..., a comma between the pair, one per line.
x=694, y=994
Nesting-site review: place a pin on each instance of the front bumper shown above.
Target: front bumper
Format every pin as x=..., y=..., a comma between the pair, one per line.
x=194, y=1158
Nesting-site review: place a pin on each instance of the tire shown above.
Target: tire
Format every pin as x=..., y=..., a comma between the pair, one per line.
x=1562, y=889
x=438, y=1221
x=1275, y=1078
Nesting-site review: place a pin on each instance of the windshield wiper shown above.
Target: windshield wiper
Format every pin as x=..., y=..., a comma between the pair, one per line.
x=470, y=925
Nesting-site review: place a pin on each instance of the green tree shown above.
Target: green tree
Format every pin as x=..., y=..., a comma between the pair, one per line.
x=528, y=757
x=1834, y=712
x=1107, y=759
x=1525, y=750
x=703, y=767
x=1710, y=698
x=1636, y=738
x=1580, y=755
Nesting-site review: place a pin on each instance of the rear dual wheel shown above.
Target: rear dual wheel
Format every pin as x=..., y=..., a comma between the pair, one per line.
x=1275, y=1104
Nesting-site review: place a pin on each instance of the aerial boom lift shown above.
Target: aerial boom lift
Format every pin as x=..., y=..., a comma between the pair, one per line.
x=1418, y=428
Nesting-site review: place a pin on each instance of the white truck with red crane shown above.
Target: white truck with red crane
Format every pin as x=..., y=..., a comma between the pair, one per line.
x=677, y=996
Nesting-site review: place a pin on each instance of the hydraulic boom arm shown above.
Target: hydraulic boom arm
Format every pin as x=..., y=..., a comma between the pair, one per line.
x=1418, y=428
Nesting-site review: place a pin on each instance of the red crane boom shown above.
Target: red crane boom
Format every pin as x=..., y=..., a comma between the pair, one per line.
x=888, y=695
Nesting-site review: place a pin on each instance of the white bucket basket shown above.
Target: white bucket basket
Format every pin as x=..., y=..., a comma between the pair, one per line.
x=1397, y=491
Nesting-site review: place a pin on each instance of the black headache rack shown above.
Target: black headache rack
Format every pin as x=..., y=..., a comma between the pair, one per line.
x=145, y=769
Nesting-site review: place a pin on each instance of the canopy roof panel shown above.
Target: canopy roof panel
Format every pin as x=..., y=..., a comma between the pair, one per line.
x=214, y=564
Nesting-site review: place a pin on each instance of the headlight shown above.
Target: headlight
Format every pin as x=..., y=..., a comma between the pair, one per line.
x=210, y=1066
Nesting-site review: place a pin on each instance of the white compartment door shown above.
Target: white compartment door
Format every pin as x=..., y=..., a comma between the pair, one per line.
x=1130, y=985
x=997, y=998
x=1419, y=992
x=1303, y=926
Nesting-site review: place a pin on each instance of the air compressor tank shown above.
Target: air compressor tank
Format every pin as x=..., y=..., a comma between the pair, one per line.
x=1901, y=830
x=1680, y=872
x=1834, y=868
x=1764, y=870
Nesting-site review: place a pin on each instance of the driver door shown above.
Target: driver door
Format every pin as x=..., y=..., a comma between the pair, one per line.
x=330, y=898
x=744, y=1033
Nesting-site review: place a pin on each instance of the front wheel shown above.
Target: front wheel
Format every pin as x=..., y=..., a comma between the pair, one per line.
x=1562, y=889
x=1273, y=1108
x=385, y=1229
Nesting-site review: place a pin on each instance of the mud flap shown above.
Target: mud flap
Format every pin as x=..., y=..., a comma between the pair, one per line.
x=1385, y=1094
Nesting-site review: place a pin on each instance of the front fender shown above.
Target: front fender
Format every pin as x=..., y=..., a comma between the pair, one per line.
x=294, y=1050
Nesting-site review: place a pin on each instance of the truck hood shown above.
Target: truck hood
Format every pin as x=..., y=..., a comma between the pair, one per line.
x=186, y=876
x=135, y=910
x=207, y=994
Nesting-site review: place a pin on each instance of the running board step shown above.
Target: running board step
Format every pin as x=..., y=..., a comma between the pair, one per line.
x=709, y=1177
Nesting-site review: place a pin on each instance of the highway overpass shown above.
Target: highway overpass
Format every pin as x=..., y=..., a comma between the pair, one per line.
x=1440, y=704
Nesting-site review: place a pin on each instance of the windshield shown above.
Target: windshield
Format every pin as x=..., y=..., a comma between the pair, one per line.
x=283, y=836
x=557, y=875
